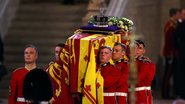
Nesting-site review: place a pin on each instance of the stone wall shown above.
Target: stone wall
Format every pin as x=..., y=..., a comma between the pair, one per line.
x=149, y=17
x=145, y=16
x=183, y=3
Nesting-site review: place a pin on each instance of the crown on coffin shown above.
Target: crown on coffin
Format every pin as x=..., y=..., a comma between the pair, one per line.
x=100, y=21
x=104, y=21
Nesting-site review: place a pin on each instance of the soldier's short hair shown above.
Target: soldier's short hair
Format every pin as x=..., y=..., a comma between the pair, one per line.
x=138, y=42
x=32, y=46
x=60, y=45
x=107, y=47
x=123, y=46
x=173, y=11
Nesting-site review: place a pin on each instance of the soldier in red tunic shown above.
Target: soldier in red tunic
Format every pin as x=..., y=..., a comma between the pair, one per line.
x=146, y=72
x=59, y=78
x=122, y=65
x=17, y=78
x=110, y=74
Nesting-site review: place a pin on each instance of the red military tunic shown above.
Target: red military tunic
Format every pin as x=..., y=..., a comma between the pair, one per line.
x=122, y=89
x=143, y=70
x=169, y=29
x=16, y=86
x=111, y=75
x=146, y=86
x=59, y=79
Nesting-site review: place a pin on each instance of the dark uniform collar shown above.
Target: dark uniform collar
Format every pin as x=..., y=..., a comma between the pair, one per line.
x=103, y=65
x=118, y=61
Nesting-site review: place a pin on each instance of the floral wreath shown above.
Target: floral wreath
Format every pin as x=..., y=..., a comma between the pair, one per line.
x=123, y=23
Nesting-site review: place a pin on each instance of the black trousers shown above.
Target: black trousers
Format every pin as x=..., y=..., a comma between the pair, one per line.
x=169, y=62
x=179, y=77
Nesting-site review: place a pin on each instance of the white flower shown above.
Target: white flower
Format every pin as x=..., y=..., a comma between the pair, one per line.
x=120, y=23
x=126, y=28
x=110, y=23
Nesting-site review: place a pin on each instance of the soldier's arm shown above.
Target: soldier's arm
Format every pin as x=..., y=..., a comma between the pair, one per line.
x=152, y=71
x=12, y=90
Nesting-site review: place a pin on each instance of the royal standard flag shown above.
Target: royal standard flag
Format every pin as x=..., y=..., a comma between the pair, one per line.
x=99, y=87
x=89, y=90
x=76, y=52
x=75, y=55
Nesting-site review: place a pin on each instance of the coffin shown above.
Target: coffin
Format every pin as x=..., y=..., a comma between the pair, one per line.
x=76, y=54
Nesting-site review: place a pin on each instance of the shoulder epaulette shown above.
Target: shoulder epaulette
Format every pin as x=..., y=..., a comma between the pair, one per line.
x=144, y=59
x=121, y=60
x=103, y=65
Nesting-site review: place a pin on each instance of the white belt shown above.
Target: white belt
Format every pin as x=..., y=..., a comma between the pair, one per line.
x=121, y=94
x=142, y=88
x=21, y=99
x=148, y=88
x=44, y=102
x=109, y=94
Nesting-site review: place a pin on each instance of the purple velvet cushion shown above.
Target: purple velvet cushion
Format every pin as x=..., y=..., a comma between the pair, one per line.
x=92, y=27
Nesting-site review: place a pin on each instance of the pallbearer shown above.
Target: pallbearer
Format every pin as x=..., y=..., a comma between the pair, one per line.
x=122, y=65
